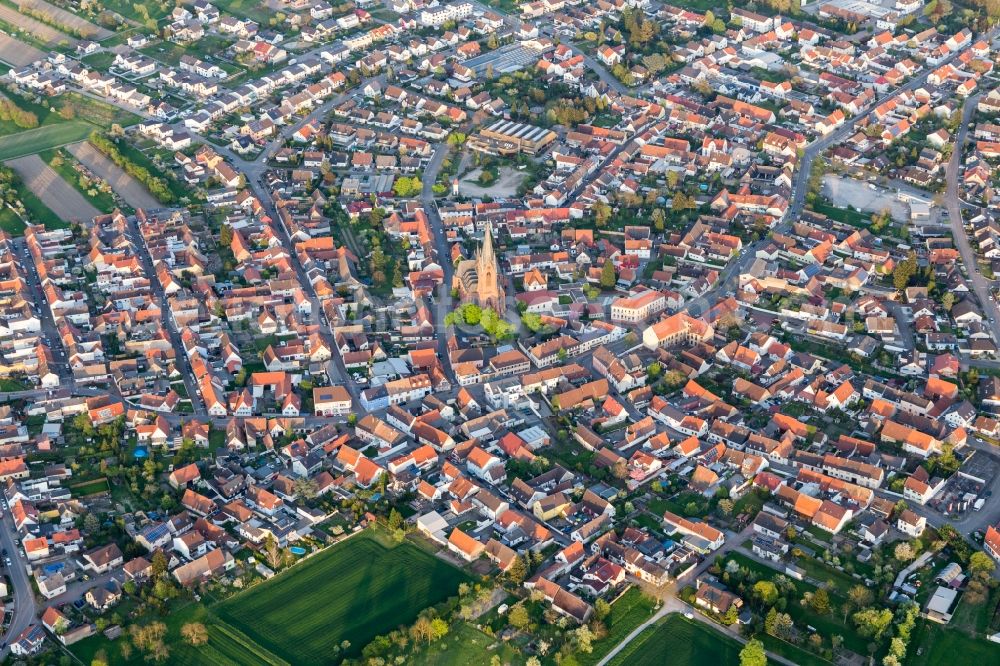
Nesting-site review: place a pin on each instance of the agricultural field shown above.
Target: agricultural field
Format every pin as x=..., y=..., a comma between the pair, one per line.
x=354, y=591
x=60, y=196
x=62, y=19
x=16, y=52
x=679, y=642
x=41, y=32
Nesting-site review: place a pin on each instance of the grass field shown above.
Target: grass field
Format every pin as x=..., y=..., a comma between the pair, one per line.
x=353, y=592
x=43, y=138
x=225, y=647
x=679, y=642
x=940, y=645
x=631, y=610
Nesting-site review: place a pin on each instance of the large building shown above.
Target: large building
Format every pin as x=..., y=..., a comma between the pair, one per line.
x=505, y=137
x=478, y=280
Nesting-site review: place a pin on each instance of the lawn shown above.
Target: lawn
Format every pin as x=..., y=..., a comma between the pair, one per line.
x=42, y=138
x=90, y=488
x=940, y=645
x=679, y=642
x=632, y=609
x=354, y=591
x=7, y=385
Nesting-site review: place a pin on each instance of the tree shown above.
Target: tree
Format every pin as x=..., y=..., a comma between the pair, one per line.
x=439, y=629
x=602, y=213
x=726, y=506
x=753, y=654
x=778, y=624
x=601, y=609
x=421, y=630
x=766, y=591
x=653, y=370
x=194, y=633
x=981, y=565
x=518, y=617
x=608, y=276
x=517, y=571
x=821, y=602
x=873, y=622
x=904, y=552
x=859, y=596
x=582, y=638
x=159, y=564
x=272, y=552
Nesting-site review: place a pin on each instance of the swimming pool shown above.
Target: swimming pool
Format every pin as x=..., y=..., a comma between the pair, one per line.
x=297, y=550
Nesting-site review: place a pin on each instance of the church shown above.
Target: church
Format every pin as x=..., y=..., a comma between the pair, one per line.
x=478, y=280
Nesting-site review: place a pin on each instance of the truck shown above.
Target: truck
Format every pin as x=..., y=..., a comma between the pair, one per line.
x=979, y=504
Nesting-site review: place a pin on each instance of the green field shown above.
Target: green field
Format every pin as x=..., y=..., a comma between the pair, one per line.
x=679, y=642
x=628, y=612
x=940, y=645
x=353, y=592
x=42, y=138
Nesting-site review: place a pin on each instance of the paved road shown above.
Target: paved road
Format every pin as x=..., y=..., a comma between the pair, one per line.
x=25, y=608
x=980, y=285
x=167, y=321
x=443, y=303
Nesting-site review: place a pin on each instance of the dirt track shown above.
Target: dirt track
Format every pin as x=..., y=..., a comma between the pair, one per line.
x=131, y=190
x=68, y=19
x=61, y=197
x=17, y=53
x=42, y=32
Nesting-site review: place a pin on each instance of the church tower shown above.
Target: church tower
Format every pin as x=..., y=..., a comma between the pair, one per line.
x=490, y=291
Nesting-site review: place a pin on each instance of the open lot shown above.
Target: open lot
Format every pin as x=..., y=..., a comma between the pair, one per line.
x=845, y=192
x=679, y=642
x=505, y=186
x=354, y=591
x=61, y=197
x=70, y=20
x=43, y=33
x=131, y=190
x=17, y=53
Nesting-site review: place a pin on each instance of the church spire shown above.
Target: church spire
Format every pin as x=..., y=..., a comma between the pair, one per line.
x=487, y=250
